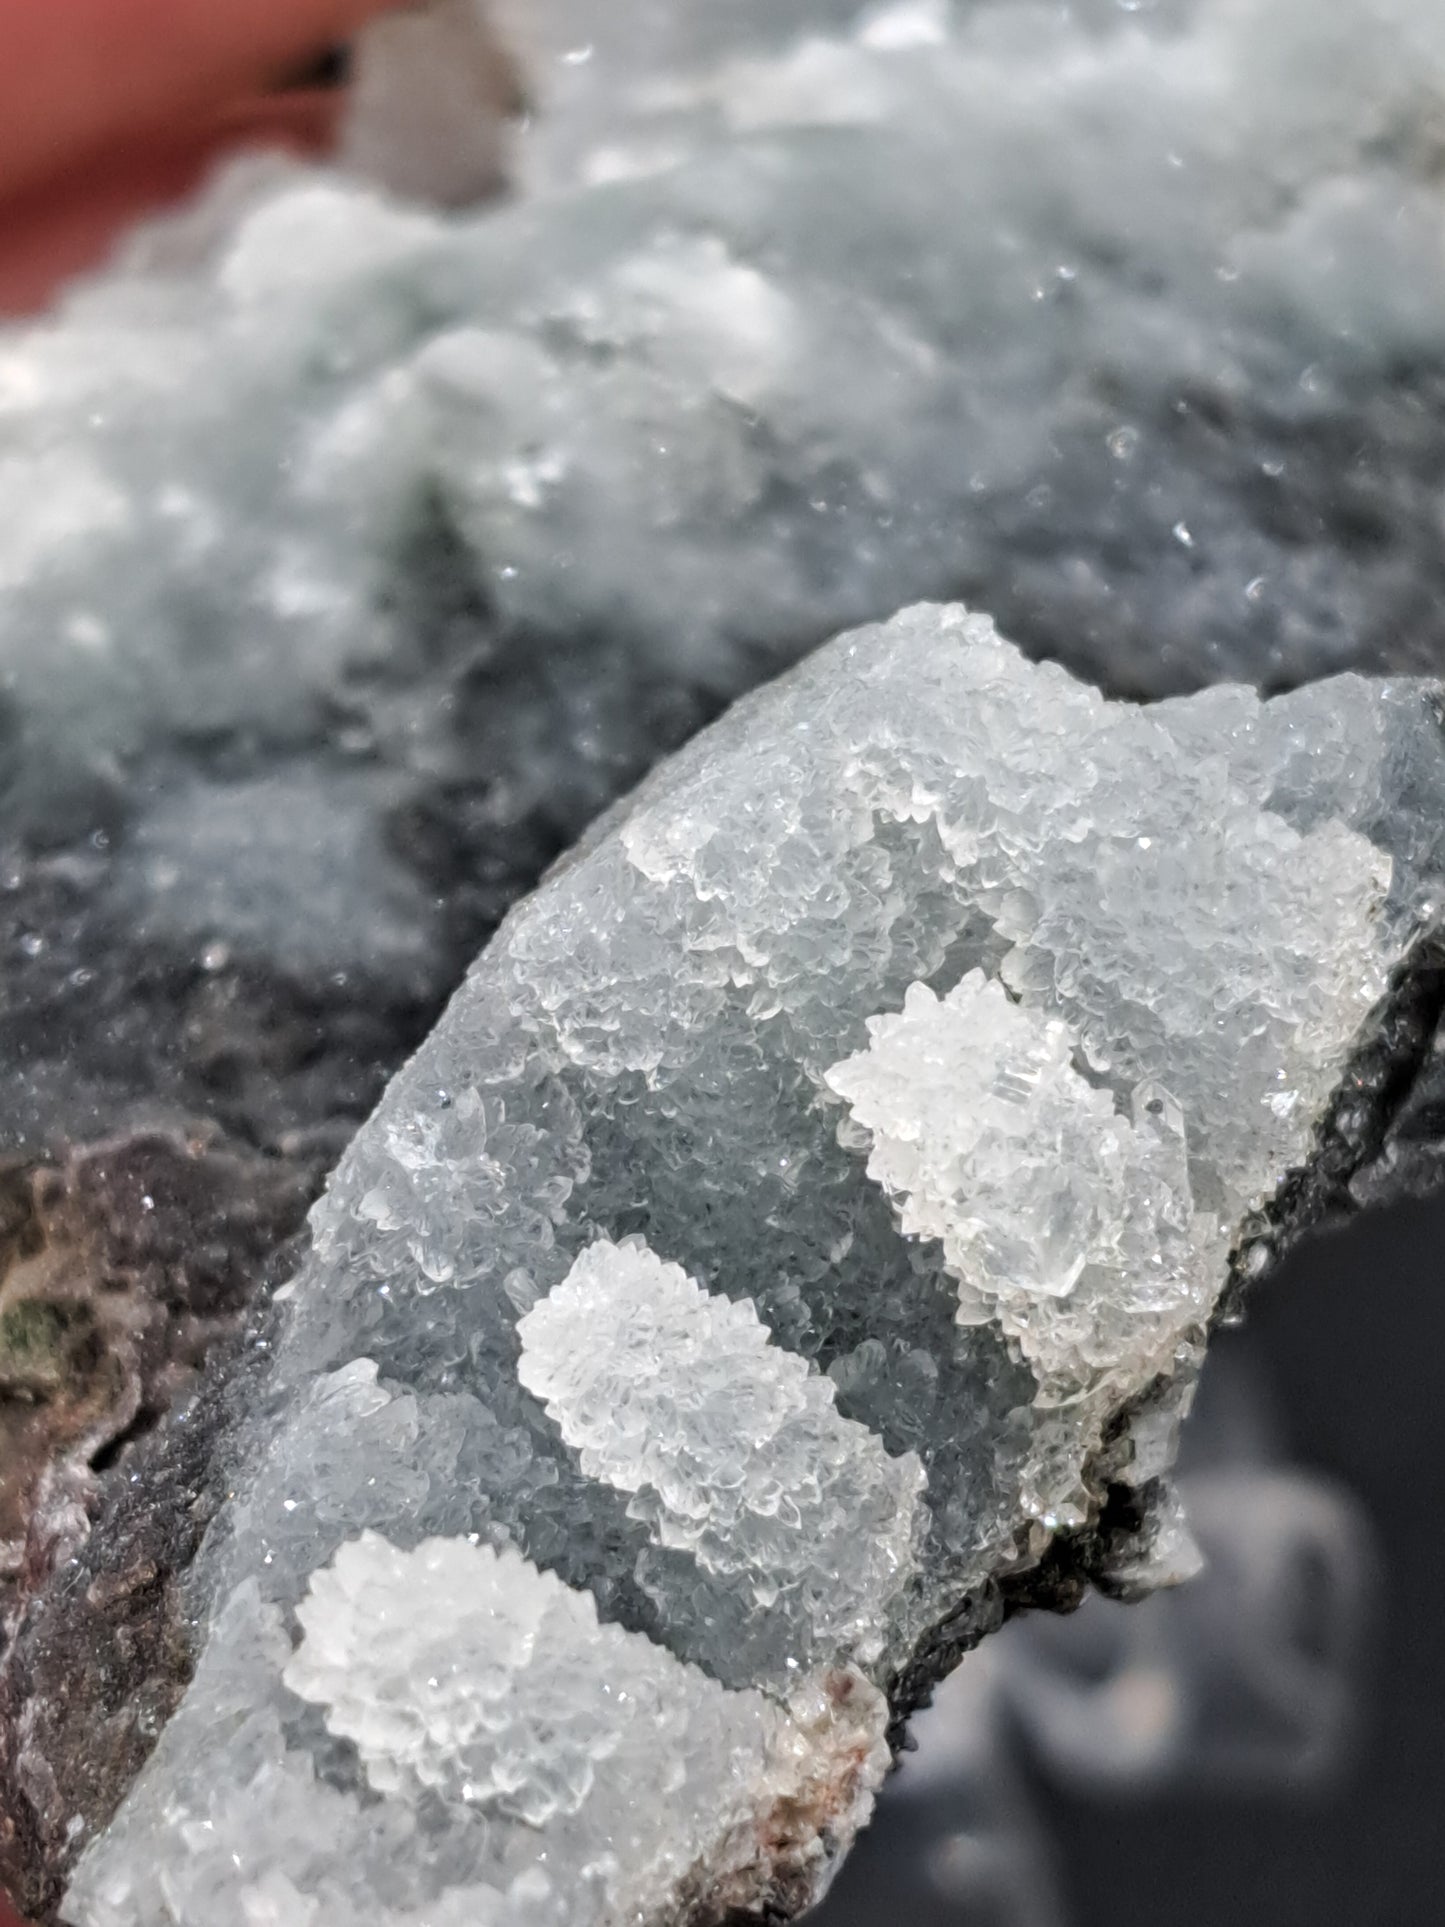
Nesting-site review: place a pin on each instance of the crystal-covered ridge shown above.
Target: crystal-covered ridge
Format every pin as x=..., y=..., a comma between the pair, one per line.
x=558, y=1770
x=1059, y=1216
x=752, y=1269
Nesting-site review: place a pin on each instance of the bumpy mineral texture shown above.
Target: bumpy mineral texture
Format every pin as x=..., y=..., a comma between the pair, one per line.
x=815, y=1199
x=344, y=580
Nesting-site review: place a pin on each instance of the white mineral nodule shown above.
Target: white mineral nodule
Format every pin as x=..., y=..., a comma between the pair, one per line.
x=1061, y=1218
x=731, y=1444
x=750, y=1271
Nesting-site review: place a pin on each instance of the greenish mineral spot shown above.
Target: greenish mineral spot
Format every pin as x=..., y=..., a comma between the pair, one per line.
x=39, y=1340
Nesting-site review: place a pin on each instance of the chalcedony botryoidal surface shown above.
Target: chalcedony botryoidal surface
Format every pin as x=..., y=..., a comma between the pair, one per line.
x=755, y=1265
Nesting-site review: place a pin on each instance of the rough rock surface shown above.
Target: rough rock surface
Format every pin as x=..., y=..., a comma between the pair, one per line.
x=343, y=583
x=682, y=1250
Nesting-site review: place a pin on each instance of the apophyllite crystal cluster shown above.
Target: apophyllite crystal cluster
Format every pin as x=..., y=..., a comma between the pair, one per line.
x=793, y=1242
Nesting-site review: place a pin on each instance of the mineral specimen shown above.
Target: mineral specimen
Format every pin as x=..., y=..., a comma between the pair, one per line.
x=815, y=1200
x=345, y=579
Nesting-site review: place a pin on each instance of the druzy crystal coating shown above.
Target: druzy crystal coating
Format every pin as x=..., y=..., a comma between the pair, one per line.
x=792, y=1207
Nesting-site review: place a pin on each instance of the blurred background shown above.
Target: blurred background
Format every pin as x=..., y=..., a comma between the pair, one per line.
x=1262, y=1746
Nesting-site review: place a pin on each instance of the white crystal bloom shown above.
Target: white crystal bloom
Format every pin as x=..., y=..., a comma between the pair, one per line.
x=465, y=1669
x=1063, y=1219
x=732, y=1447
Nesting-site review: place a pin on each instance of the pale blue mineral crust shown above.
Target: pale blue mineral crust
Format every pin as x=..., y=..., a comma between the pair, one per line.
x=750, y=1271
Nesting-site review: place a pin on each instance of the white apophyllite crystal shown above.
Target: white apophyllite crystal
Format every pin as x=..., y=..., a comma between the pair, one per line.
x=732, y=1446
x=1067, y=1221
x=419, y=1660
x=851, y=331
x=467, y=1671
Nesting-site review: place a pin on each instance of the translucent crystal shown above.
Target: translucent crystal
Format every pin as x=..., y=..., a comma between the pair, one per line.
x=1065, y=1221
x=732, y=1446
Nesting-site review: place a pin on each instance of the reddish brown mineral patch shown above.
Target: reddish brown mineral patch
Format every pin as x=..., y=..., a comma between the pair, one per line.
x=120, y=1264
x=826, y=1774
